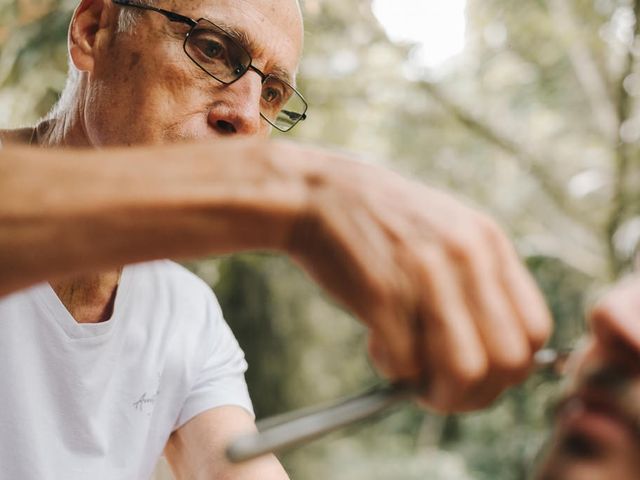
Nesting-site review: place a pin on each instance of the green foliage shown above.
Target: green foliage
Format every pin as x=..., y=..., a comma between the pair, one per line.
x=33, y=58
x=529, y=123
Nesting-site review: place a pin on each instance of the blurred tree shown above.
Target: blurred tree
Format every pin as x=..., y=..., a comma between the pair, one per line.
x=537, y=121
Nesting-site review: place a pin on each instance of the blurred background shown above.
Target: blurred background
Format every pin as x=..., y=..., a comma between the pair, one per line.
x=527, y=109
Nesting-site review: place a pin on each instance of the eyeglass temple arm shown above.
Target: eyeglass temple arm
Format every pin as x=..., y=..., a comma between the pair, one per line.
x=172, y=16
x=294, y=115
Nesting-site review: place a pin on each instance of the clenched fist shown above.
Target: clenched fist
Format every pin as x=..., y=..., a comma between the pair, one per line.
x=448, y=303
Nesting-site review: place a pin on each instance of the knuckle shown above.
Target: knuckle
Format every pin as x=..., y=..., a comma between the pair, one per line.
x=605, y=311
x=463, y=243
x=473, y=397
x=460, y=249
x=480, y=402
x=490, y=229
x=540, y=331
x=381, y=295
x=439, y=397
x=617, y=304
x=393, y=355
x=446, y=396
x=512, y=362
x=470, y=372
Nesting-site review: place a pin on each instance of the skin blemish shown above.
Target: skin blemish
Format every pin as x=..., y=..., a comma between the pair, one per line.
x=135, y=59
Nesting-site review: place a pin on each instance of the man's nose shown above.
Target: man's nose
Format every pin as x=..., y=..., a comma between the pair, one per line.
x=238, y=109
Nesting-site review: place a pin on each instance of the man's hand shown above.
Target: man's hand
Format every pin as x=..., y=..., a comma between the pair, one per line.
x=615, y=332
x=442, y=290
x=615, y=324
x=595, y=433
x=444, y=294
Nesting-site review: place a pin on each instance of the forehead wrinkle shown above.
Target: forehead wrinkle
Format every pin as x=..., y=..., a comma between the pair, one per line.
x=255, y=50
x=239, y=34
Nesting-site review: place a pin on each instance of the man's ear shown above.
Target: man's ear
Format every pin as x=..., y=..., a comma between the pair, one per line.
x=87, y=20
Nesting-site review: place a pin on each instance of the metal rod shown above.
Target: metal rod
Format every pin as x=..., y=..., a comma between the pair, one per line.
x=285, y=431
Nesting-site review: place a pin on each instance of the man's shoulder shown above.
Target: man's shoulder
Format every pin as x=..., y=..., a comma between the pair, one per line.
x=19, y=136
x=170, y=285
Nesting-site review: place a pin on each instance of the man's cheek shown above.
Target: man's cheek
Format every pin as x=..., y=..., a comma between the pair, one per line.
x=183, y=129
x=183, y=80
x=172, y=103
x=184, y=117
x=179, y=98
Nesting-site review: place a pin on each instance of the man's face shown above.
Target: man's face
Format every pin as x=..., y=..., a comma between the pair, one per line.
x=144, y=88
x=597, y=424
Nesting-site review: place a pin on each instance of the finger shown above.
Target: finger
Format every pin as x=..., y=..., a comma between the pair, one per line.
x=480, y=396
x=499, y=326
x=522, y=292
x=616, y=317
x=586, y=352
x=379, y=356
x=389, y=312
x=453, y=356
x=394, y=347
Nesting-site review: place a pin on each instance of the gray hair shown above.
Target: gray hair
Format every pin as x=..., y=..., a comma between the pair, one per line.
x=127, y=19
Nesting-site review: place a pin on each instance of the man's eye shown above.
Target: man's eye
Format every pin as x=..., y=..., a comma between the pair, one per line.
x=211, y=49
x=209, y=46
x=271, y=95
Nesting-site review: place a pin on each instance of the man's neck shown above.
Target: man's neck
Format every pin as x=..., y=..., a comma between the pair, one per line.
x=89, y=298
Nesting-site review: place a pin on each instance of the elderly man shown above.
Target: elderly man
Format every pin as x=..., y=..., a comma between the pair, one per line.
x=597, y=424
x=104, y=367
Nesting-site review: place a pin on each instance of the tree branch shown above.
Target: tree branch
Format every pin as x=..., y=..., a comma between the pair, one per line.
x=585, y=67
x=622, y=197
x=528, y=160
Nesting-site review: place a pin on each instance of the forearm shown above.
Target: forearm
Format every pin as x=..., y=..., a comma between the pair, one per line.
x=63, y=212
x=196, y=451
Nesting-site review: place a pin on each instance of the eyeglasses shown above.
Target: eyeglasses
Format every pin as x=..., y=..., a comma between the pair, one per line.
x=222, y=57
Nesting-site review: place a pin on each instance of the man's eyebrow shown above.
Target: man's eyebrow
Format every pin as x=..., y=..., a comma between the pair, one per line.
x=253, y=48
x=283, y=74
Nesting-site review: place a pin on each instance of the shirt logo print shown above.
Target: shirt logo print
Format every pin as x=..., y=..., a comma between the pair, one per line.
x=146, y=402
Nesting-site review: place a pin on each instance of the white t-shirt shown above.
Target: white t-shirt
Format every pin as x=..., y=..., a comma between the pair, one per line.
x=99, y=401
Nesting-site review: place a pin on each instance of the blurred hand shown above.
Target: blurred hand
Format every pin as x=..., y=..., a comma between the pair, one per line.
x=442, y=290
x=596, y=432
x=615, y=322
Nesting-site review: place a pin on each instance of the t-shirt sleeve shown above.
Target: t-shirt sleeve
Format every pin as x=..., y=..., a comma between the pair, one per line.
x=220, y=381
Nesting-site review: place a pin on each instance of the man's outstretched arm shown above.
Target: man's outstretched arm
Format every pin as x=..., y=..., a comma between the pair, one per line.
x=441, y=289
x=69, y=211
x=197, y=449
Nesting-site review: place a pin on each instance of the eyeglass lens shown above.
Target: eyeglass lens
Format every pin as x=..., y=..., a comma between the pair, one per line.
x=213, y=50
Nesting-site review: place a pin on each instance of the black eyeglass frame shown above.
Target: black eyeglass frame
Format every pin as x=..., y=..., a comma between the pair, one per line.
x=178, y=18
